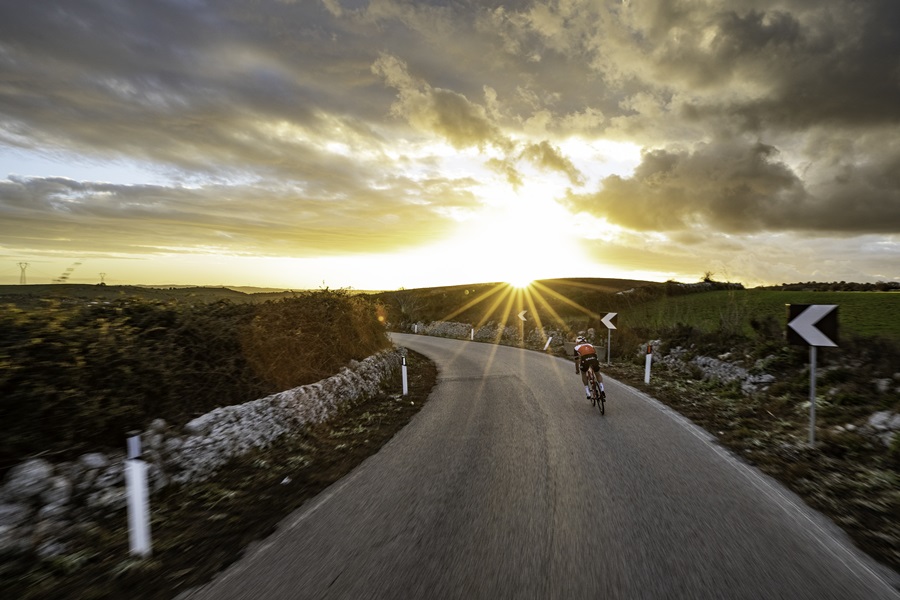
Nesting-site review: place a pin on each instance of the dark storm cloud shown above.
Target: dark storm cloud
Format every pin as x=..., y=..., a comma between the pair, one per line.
x=832, y=64
x=797, y=64
x=721, y=185
x=826, y=72
x=743, y=188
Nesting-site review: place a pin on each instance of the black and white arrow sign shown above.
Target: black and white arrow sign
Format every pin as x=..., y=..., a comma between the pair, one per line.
x=812, y=324
x=609, y=320
x=522, y=315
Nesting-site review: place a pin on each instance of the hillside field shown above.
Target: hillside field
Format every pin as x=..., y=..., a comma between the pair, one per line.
x=864, y=314
x=578, y=304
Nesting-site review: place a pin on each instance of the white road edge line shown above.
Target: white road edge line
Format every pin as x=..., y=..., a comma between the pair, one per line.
x=789, y=505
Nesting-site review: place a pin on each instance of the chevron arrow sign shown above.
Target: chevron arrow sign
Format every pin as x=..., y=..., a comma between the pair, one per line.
x=812, y=324
x=609, y=320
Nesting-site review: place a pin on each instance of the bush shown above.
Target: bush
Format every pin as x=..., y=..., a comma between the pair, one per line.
x=79, y=376
x=301, y=340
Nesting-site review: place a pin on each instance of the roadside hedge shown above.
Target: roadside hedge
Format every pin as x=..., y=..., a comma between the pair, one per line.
x=78, y=375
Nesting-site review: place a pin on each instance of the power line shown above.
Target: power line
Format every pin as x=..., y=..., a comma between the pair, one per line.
x=22, y=266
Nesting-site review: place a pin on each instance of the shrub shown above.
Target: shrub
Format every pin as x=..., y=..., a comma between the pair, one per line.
x=300, y=340
x=79, y=376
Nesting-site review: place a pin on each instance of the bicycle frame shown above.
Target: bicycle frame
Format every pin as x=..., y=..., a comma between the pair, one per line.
x=596, y=396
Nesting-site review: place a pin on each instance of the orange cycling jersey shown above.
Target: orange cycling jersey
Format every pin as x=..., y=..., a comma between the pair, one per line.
x=585, y=350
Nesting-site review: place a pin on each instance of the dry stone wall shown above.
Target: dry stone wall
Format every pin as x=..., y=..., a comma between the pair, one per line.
x=43, y=505
x=494, y=333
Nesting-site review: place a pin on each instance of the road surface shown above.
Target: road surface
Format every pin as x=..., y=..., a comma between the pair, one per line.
x=508, y=484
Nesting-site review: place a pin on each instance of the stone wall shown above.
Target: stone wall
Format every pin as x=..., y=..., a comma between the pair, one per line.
x=43, y=505
x=493, y=333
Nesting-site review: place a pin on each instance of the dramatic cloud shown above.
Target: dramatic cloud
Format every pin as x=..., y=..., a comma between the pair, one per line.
x=374, y=127
x=723, y=186
x=744, y=188
x=442, y=112
x=547, y=157
x=232, y=219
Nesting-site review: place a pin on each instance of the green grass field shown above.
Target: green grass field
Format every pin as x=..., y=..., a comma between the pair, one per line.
x=859, y=313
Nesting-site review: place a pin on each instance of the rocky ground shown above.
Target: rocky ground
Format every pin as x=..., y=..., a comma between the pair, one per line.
x=197, y=531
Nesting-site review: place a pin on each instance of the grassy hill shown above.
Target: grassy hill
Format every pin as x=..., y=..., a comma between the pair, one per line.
x=32, y=294
x=576, y=303
x=859, y=313
x=553, y=301
x=649, y=306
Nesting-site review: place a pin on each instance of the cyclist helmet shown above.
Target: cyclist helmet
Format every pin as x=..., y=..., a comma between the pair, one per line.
x=580, y=339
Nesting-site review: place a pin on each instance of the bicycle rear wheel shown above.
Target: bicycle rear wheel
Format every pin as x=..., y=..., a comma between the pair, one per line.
x=597, y=395
x=590, y=382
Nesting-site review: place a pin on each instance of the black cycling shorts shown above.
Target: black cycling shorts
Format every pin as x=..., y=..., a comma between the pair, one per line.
x=591, y=361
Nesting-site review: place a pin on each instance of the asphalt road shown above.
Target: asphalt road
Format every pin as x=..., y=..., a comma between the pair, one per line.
x=508, y=484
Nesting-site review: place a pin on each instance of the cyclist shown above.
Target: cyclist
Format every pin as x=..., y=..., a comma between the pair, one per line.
x=586, y=357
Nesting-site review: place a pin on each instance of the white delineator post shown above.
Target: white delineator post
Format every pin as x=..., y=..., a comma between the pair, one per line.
x=547, y=345
x=403, y=369
x=647, y=366
x=472, y=335
x=138, y=499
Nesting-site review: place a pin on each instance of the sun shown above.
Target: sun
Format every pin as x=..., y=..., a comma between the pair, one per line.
x=520, y=281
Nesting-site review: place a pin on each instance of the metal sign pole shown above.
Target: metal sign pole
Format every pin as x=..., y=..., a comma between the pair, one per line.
x=812, y=396
x=608, y=344
x=814, y=325
x=607, y=320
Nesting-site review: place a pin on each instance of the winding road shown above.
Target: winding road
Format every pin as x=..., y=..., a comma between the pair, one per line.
x=508, y=484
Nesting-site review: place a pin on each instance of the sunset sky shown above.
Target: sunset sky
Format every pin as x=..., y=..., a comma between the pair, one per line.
x=384, y=144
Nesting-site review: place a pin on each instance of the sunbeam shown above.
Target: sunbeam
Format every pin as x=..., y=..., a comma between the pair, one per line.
x=499, y=287
x=562, y=298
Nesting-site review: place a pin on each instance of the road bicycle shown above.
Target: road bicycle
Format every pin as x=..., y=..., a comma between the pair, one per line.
x=598, y=398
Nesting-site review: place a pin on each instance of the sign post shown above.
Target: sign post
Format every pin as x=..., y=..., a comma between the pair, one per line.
x=610, y=321
x=814, y=325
